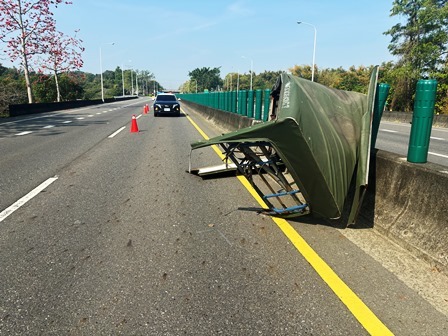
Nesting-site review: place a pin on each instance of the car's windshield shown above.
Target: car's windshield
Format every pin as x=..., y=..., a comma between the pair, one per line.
x=166, y=98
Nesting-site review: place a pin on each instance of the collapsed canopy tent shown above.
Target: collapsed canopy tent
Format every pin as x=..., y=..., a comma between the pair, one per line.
x=321, y=135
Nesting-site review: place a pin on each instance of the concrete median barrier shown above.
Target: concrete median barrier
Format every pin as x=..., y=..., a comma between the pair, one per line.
x=407, y=203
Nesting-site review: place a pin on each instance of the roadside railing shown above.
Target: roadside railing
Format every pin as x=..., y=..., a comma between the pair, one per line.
x=249, y=103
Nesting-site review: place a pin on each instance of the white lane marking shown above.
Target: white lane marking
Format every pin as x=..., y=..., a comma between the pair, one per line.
x=5, y=213
x=67, y=122
x=116, y=132
x=24, y=133
x=389, y=131
x=436, y=138
x=80, y=118
x=436, y=154
x=138, y=116
x=90, y=115
x=99, y=112
x=74, y=110
x=49, y=126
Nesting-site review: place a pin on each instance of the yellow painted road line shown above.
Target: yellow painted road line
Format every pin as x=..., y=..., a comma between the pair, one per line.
x=355, y=305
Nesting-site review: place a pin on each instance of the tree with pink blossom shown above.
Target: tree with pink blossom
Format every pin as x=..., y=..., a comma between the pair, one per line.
x=63, y=55
x=26, y=28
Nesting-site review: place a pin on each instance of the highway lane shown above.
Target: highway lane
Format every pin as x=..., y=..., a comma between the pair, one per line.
x=34, y=148
x=126, y=242
x=394, y=137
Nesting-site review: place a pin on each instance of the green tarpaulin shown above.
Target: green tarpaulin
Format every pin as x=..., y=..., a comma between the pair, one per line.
x=323, y=137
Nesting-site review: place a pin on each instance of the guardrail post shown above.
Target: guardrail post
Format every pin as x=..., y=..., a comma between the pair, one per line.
x=258, y=95
x=243, y=102
x=226, y=100
x=216, y=100
x=250, y=104
x=221, y=100
x=239, y=103
x=234, y=102
x=425, y=97
x=267, y=102
x=382, y=91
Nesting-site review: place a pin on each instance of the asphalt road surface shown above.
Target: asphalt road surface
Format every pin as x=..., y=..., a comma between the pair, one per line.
x=394, y=137
x=118, y=239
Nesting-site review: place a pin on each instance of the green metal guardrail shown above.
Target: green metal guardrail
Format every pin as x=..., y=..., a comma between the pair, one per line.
x=425, y=97
x=250, y=103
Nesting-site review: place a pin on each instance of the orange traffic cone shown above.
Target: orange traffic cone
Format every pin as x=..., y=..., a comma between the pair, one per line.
x=134, y=127
x=147, y=108
x=144, y=109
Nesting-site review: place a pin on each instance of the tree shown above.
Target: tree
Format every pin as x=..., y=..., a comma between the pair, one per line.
x=422, y=40
x=206, y=78
x=266, y=79
x=11, y=89
x=63, y=55
x=420, y=43
x=304, y=71
x=24, y=27
x=145, y=78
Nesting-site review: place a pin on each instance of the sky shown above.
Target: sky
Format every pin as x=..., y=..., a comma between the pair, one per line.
x=170, y=38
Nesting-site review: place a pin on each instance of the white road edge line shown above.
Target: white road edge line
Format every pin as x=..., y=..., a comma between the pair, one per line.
x=436, y=138
x=444, y=156
x=389, y=131
x=5, y=213
x=24, y=133
x=116, y=132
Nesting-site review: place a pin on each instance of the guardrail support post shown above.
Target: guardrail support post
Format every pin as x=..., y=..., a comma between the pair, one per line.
x=243, y=102
x=258, y=94
x=267, y=102
x=250, y=104
x=382, y=91
x=422, y=117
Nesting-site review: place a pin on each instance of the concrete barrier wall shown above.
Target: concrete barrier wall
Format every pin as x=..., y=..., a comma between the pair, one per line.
x=408, y=203
x=226, y=120
x=25, y=109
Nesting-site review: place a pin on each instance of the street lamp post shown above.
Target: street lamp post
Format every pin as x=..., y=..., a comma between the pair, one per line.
x=251, y=70
x=238, y=81
x=101, y=69
x=122, y=77
x=132, y=83
x=129, y=67
x=196, y=84
x=314, y=48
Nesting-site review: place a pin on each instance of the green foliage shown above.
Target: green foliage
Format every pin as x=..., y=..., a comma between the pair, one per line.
x=304, y=71
x=73, y=85
x=265, y=79
x=421, y=44
x=206, y=78
x=45, y=90
x=12, y=90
